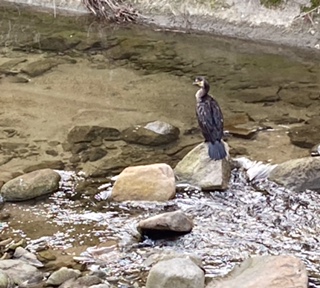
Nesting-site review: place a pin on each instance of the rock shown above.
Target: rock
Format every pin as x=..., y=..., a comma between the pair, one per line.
x=265, y=272
x=46, y=164
x=315, y=150
x=177, y=273
x=152, y=133
x=82, y=282
x=198, y=169
x=298, y=174
x=6, y=67
x=54, y=43
x=258, y=95
x=165, y=225
x=62, y=275
x=100, y=286
x=80, y=134
x=31, y=185
x=305, y=136
x=285, y=120
x=46, y=255
x=19, y=271
x=39, y=67
x=155, y=182
x=26, y=256
x=242, y=131
x=4, y=280
x=299, y=96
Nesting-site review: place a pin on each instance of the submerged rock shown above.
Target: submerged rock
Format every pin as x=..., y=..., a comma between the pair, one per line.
x=152, y=133
x=155, y=182
x=165, y=225
x=79, y=134
x=177, y=273
x=298, y=174
x=305, y=136
x=265, y=271
x=31, y=185
x=198, y=169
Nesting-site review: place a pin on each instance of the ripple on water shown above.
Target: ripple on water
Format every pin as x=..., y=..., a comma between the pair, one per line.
x=258, y=218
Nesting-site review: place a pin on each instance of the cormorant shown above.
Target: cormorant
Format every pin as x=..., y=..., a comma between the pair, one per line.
x=210, y=119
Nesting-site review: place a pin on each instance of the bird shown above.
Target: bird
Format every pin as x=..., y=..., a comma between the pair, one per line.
x=210, y=119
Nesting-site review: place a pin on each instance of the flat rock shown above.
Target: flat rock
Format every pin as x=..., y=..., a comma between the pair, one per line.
x=298, y=174
x=305, y=136
x=198, y=169
x=177, y=273
x=31, y=185
x=46, y=164
x=155, y=182
x=258, y=95
x=39, y=67
x=79, y=134
x=152, y=133
x=26, y=256
x=166, y=225
x=265, y=272
x=19, y=271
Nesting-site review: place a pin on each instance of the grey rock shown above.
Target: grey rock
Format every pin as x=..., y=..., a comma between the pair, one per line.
x=19, y=271
x=80, y=134
x=54, y=43
x=198, y=169
x=305, y=136
x=298, y=174
x=104, y=285
x=152, y=133
x=62, y=275
x=177, y=273
x=26, y=256
x=166, y=225
x=265, y=272
x=4, y=280
x=299, y=96
x=31, y=185
x=315, y=150
x=81, y=282
x=6, y=67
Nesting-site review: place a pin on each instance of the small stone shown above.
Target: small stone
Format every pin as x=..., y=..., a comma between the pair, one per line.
x=52, y=152
x=46, y=255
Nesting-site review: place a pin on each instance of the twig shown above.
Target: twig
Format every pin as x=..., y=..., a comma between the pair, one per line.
x=302, y=15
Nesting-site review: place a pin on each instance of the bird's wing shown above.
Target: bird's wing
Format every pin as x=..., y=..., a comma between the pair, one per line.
x=210, y=120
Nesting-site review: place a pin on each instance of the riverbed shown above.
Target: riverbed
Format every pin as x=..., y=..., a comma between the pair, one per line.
x=114, y=76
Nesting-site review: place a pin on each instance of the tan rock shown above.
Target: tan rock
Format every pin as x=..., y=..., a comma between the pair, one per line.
x=283, y=271
x=155, y=182
x=198, y=169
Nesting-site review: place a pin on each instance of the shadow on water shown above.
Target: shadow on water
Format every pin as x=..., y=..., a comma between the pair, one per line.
x=248, y=219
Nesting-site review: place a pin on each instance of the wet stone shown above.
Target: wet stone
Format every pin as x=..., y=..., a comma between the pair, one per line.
x=305, y=136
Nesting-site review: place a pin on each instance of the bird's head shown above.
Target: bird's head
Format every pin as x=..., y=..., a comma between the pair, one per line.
x=201, y=82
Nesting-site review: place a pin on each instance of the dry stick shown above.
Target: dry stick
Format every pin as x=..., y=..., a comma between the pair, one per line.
x=306, y=13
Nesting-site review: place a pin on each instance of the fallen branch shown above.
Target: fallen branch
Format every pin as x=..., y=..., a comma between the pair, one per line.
x=112, y=10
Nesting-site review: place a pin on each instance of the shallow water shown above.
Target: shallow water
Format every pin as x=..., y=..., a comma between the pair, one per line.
x=146, y=70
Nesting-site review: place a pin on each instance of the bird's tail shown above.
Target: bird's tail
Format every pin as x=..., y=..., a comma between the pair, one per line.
x=217, y=151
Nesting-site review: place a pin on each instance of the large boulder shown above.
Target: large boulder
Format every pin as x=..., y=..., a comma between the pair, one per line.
x=152, y=133
x=168, y=224
x=198, y=169
x=298, y=174
x=265, y=272
x=155, y=182
x=177, y=273
x=31, y=185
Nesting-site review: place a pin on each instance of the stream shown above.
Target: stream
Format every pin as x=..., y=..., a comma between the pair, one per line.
x=115, y=76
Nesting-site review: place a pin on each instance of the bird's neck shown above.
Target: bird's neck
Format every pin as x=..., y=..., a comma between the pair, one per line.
x=201, y=93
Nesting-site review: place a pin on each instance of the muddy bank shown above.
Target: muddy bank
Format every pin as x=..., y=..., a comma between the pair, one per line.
x=285, y=24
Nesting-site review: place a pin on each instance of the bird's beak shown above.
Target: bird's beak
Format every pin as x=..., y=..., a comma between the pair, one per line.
x=196, y=83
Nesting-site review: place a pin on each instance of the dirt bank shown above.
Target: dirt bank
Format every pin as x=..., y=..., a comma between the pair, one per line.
x=286, y=24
